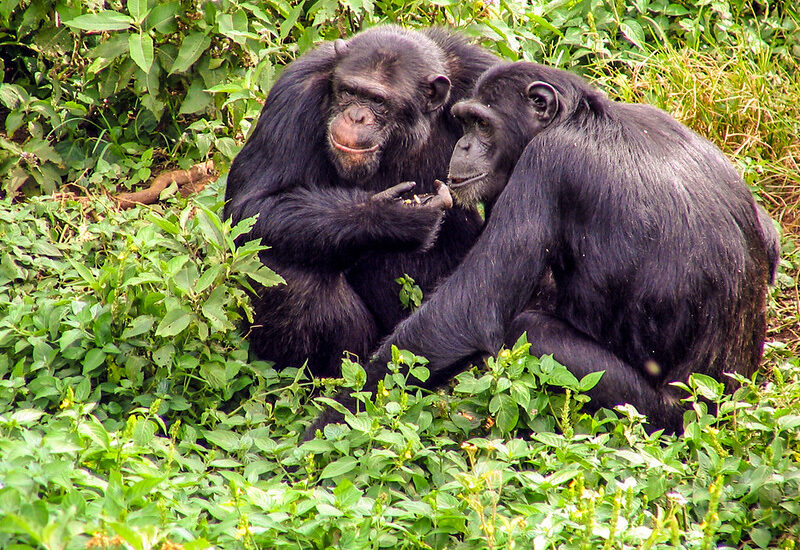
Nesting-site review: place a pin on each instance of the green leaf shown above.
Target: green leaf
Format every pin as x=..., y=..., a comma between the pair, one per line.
x=143, y=488
x=214, y=309
x=361, y=423
x=291, y=20
x=93, y=359
x=561, y=477
x=192, y=48
x=706, y=386
x=173, y=323
x=140, y=325
x=141, y=48
x=590, y=380
x=138, y=10
x=208, y=277
x=196, y=99
x=95, y=431
x=25, y=417
x=420, y=373
x=162, y=18
x=354, y=374
x=105, y=20
x=166, y=225
x=633, y=31
x=761, y=536
x=224, y=439
x=266, y=277
x=338, y=467
x=506, y=411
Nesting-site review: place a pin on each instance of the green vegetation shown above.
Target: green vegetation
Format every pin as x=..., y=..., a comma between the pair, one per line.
x=130, y=415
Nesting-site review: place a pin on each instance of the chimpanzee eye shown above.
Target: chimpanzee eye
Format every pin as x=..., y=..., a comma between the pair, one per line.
x=483, y=126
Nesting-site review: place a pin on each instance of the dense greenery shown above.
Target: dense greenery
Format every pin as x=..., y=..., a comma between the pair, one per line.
x=130, y=413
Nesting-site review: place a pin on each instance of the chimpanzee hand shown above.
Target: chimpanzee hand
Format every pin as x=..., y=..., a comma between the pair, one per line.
x=393, y=193
x=441, y=199
x=416, y=221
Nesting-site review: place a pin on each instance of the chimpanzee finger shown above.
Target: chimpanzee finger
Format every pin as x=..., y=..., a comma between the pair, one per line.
x=443, y=199
x=394, y=192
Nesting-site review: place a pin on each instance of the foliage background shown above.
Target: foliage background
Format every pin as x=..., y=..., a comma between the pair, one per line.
x=130, y=414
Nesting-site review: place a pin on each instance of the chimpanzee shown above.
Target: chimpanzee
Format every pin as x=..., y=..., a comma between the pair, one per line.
x=346, y=130
x=658, y=254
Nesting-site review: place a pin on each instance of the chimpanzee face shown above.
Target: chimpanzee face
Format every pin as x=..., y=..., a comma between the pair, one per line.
x=359, y=127
x=380, y=101
x=494, y=137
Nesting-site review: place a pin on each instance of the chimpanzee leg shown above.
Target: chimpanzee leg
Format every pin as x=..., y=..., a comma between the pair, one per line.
x=313, y=317
x=621, y=382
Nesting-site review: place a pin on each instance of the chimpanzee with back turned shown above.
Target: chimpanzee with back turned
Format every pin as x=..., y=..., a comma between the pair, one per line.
x=659, y=256
x=342, y=132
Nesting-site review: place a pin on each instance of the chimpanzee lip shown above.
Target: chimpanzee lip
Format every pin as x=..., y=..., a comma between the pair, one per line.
x=353, y=150
x=460, y=182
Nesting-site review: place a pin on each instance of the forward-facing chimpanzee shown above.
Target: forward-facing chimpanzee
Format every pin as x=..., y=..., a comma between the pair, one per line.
x=659, y=255
x=342, y=127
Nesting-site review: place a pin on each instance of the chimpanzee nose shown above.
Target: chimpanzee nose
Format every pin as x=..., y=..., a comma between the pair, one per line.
x=358, y=115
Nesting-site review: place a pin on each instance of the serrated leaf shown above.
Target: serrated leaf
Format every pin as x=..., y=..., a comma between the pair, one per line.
x=141, y=49
x=214, y=309
x=266, y=277
x=191, y=49
x=105, y=20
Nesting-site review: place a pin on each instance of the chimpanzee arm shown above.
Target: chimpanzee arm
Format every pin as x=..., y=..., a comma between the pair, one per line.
x=471, y=310
x=333, y=226
x=283, y=175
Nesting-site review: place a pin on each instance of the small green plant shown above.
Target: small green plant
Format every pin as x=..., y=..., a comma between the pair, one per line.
x=410, y=292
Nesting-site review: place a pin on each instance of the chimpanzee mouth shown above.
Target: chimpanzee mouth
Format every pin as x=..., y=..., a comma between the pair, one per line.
x=455, y=183
x=353, y=150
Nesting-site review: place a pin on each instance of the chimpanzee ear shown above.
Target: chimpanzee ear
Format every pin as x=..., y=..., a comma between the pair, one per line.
x=544, y=99
x=438, y=92
x=340, y=47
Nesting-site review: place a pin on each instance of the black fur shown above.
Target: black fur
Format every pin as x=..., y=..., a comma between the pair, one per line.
x=659, y=256
x=338, y=249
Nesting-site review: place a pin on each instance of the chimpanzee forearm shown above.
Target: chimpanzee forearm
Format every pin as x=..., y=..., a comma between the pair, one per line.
x=334, y=226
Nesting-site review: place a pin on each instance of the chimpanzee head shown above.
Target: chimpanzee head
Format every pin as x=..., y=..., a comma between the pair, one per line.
x=387, y=87
x=510, y=105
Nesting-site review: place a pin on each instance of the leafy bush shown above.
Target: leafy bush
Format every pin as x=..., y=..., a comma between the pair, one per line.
x=122, y=308
x=413, y=470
